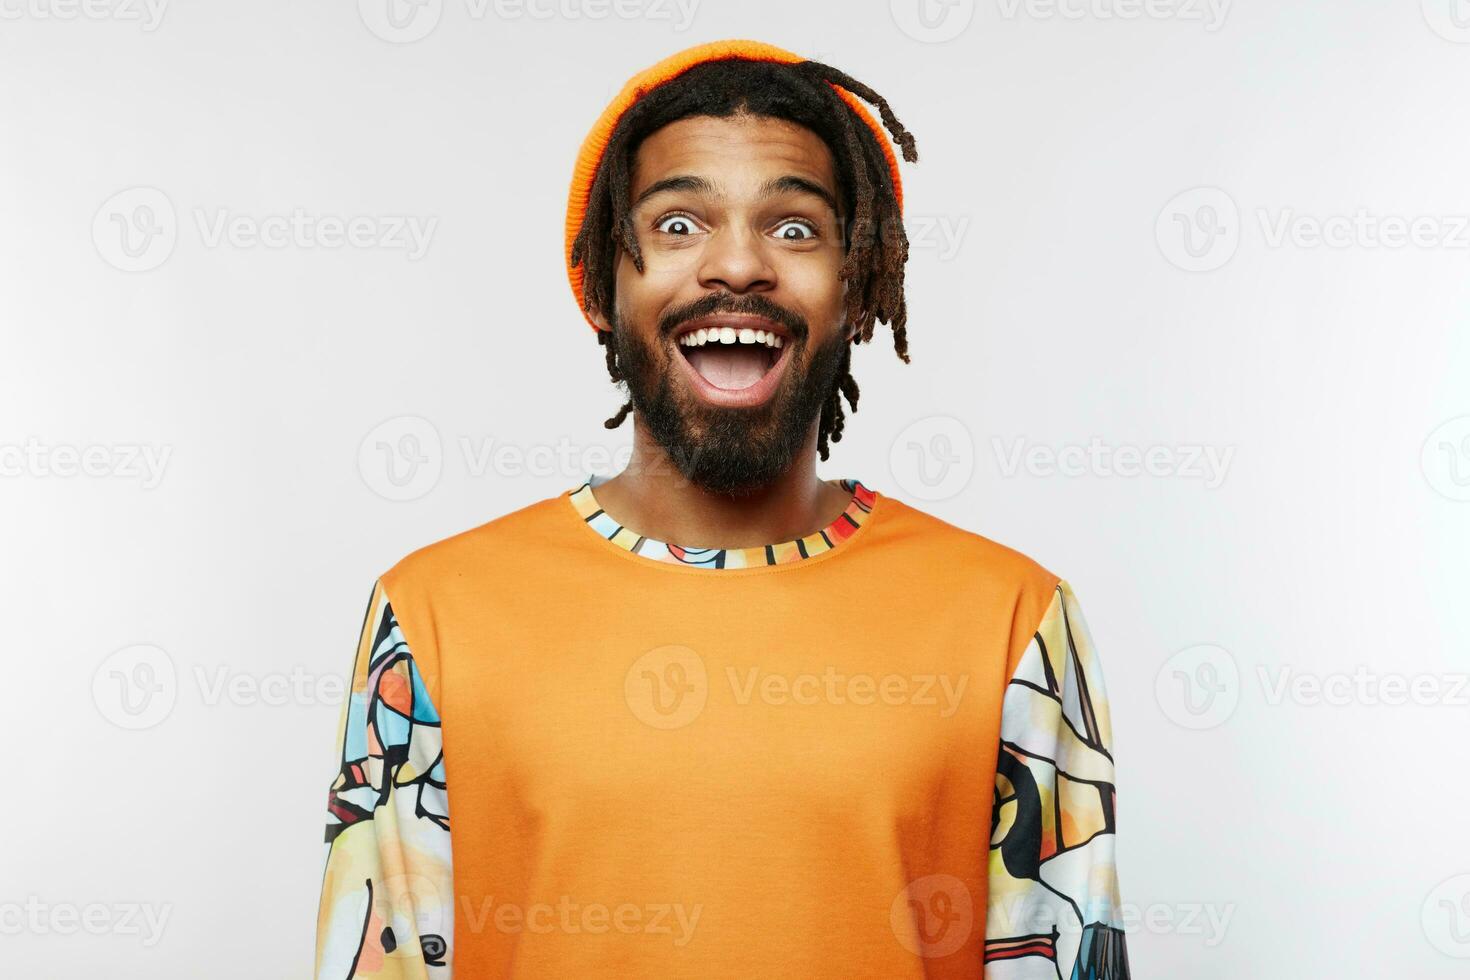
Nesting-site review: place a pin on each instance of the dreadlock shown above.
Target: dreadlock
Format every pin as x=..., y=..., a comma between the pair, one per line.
x=874, y=239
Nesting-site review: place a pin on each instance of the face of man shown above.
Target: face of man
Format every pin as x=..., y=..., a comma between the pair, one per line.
x=737, y=222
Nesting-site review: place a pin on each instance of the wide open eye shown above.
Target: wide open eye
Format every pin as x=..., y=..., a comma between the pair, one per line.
x=676, y=224
x=803, y=230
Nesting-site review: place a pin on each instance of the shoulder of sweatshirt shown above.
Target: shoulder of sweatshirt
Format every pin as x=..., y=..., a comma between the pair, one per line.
x=969, y=555
x=1002, y=585
x=470, y=553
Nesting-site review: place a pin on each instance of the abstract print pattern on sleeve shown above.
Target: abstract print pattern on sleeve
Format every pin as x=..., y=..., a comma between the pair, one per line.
x=1054, y=903
x=387, y=902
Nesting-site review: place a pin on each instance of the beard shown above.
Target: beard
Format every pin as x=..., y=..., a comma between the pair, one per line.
x=728, y=451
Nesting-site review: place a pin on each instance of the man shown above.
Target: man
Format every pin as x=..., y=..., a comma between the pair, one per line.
x=714, y=716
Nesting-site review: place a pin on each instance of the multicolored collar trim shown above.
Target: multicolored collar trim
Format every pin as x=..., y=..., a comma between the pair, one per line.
x=786, y=552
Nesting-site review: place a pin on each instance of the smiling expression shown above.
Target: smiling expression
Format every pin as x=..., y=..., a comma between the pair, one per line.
x=731, y=336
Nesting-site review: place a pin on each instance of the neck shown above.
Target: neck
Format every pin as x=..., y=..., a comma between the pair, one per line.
x=652, y=497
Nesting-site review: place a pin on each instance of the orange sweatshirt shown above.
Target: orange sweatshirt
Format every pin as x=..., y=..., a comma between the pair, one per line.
x=880, y=751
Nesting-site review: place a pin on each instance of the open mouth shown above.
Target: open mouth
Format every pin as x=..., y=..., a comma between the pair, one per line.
x=734, y=360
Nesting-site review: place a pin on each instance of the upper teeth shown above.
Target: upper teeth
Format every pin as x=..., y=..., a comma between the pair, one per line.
x=730, y=335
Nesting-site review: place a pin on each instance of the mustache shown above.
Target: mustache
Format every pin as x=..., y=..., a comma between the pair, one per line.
x=753, y=304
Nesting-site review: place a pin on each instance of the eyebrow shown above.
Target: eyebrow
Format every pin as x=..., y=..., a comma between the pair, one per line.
x=787, y=184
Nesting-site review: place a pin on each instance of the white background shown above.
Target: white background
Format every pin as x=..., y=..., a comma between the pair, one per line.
x=1056, y=305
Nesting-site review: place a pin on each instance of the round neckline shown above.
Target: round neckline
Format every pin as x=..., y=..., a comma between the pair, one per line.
x=833, y=539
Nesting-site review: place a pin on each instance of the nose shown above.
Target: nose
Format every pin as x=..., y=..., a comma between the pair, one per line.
x=735, y=259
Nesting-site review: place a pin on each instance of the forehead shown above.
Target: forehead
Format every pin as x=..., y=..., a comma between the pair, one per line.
x=737, y=153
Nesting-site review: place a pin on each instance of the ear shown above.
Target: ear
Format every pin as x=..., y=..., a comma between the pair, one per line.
x=600, y=320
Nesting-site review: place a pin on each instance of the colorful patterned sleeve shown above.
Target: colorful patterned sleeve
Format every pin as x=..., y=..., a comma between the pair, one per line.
x=387, y=892
x=1053, y=909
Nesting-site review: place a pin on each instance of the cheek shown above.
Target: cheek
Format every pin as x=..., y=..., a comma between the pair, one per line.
x=816, y=287
x=665, y=275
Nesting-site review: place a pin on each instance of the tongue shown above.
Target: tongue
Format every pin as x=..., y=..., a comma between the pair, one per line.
x=732, y=366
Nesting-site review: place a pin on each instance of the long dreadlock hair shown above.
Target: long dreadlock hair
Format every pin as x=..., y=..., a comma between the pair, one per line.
x=874, y=240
